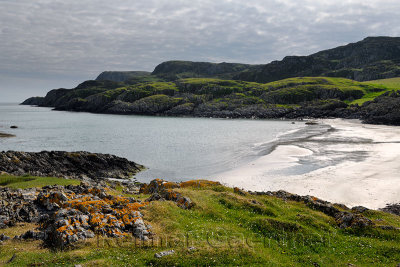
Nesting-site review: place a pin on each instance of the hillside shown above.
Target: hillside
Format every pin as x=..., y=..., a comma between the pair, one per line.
x=296, y=87
x=173, y=70
x=178, y=69
x=370, y=59
x=221, y=226
x=121, y=76
x=207, y=97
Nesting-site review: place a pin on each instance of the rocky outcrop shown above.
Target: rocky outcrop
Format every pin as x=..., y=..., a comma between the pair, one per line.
x=3, y=135
x=80, y=212
x=343, y=216
x=392, y=208
x=34, y=101
x=384, y=109
x=79, y=165
x=68, y=214
x=162, y=190
x=17, y=206
x=150, y=105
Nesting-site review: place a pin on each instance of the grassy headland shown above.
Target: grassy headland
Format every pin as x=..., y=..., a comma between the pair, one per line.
x=321, y=85
x=226, y=227
x=216, y=97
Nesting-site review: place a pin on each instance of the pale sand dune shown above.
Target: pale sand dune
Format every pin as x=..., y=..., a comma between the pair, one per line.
x=372, y=180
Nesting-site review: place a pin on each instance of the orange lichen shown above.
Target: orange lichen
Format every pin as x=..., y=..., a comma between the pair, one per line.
x=170, y=185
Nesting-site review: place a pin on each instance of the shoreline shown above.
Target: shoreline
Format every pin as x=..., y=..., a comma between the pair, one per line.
x=359, y=163
x=362, y=166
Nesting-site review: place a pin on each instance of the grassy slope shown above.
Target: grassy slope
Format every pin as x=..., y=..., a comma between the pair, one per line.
x=388, y=84
x=227, y=229
x=31, y=181
x=234, y=94
x=392, y=83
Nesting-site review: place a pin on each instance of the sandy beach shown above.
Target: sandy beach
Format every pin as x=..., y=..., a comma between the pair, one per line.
x=355, y=164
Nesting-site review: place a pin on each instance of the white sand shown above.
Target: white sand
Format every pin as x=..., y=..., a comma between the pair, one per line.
x=372, y=182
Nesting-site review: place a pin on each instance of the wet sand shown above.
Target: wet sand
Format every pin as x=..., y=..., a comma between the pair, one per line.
x=354, y=164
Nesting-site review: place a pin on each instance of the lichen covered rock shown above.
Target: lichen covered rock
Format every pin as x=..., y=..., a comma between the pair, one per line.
x=162, y=190
x=83, y=211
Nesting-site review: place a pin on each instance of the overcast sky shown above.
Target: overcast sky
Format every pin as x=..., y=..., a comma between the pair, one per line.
x=50, y=44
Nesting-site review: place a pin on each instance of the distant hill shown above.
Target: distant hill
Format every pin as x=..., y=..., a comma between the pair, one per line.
x=173, y=70
x=370, y=59
x=209, y=97
x=121, y=76
x=296, y=87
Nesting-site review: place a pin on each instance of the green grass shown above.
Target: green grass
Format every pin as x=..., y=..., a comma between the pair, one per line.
x=32, y=181
x=385, y=84
x=229, y=94
x=229, y=229
x=391, y=83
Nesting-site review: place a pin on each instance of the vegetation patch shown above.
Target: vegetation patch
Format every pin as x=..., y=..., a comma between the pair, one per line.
x=33, y=181
x=223, y=228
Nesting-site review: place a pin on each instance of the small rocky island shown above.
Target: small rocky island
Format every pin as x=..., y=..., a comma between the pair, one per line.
x=5, y=135
x=73, y=165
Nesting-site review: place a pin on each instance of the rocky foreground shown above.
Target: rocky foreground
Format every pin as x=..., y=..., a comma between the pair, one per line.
x=67, y=214
x=73, y=165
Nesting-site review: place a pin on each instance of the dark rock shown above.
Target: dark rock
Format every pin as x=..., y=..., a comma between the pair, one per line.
x=79, y=165
x=3, y=237
x=6, y=135
x=359, y=209
x=239, y=191
x=162, y=190
x=155, y=197
x=392, y=208
x=388, y=227
x=348, y=219
x=33, y=101
x=385, y=109
x=13, y=127
x=343, y=219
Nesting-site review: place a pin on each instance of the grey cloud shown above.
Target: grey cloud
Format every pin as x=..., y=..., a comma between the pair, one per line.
x=72, y=40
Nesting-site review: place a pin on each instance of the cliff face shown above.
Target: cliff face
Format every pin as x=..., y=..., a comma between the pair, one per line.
x=370, y=59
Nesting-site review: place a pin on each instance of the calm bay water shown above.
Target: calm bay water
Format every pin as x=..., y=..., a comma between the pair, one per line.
x=171, y=148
